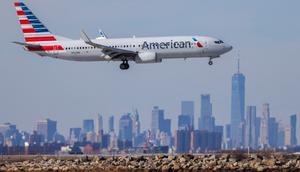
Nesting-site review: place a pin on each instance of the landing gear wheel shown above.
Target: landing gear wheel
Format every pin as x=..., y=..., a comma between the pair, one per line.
x=210, y=62
x=124, y=65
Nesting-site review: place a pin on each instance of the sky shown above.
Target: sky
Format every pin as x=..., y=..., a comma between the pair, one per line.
x=264, y=34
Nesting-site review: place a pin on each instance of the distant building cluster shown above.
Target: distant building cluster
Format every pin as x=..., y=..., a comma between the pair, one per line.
x=247, y=130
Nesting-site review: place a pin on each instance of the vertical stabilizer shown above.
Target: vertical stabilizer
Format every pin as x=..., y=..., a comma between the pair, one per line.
x=33, y=29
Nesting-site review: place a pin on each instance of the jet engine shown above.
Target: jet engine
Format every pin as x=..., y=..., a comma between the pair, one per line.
x=147, y=57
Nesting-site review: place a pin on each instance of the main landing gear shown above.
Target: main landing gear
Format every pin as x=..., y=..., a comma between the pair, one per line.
x=124, y=65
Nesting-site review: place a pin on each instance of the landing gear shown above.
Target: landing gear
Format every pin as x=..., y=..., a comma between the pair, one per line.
x=124, y=65
x=210, y=62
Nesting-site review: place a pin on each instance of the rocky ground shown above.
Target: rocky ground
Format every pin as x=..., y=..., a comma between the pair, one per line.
x=164, y=163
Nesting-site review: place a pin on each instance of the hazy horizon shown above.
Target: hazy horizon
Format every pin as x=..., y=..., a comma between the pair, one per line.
x=264, y=35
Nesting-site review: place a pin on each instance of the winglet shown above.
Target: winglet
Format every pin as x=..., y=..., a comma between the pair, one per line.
x=84, y=37
x=102, y=35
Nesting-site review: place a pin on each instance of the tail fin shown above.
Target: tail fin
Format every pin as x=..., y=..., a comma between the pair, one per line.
x=33, y=29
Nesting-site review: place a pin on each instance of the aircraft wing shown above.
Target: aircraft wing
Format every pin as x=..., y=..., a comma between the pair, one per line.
x=113, y=53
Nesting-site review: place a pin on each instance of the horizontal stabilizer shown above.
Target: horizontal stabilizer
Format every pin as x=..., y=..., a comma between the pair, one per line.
x=26, y=44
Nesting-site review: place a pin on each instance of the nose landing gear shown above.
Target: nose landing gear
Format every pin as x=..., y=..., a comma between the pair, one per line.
x=124, y=65
x=210, y=62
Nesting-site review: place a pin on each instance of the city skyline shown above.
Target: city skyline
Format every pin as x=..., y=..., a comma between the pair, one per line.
x=186, y=105
x=36, y=88
x=273, y=134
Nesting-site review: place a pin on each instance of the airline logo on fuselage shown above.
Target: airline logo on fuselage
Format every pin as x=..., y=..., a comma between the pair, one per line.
x=198, y=43
x=170, y=44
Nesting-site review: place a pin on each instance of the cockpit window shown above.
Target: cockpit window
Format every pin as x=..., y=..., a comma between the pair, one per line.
x=219, y=42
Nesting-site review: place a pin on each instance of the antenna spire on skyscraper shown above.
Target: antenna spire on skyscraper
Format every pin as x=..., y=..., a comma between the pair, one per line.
x=238, y=65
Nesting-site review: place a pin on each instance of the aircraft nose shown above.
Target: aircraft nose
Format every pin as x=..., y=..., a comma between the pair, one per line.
x=228, y=47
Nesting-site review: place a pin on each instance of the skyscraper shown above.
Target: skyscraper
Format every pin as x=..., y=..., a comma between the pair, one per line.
x=183, y=140
x=203, y=140
x=1, y=139
x=287, y=136
x=220, y=129
x=187, y=108
x=257, y=129
x=157, y=119
x=281, y=134
x=125, y=128
x=88, y=126
x=206, y=121
x=7, y=129
x=237, y=106
x=166, y=128
x=100, y=131
x=250, y=139
x=264, y=130
x=47, y=128
x=111, y=124
x=293, y=124
x=100, y=123
x=74, y=134
x=136, y=123
x=184, y=122
x=273, y=132
x=228, y=137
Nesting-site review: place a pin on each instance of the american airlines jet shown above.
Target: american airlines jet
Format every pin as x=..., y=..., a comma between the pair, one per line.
x=39, y=40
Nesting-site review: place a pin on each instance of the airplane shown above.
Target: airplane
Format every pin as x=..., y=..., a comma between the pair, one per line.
x=39, y=40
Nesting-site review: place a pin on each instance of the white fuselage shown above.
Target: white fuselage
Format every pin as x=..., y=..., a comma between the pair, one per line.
x=163, y=47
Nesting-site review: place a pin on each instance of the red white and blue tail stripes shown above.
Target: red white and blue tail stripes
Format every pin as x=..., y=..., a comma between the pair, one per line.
x=35, y=32
x=33, y=29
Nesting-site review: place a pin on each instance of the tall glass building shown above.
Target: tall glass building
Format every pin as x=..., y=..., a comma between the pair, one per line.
x=293, y=124
x=264, y=125
x=157, y=119
x=47, y=128
x=159, y=123
x=125, y=128
x=187, y=108
x=184, y=121
x=111, y=123
x=273, y=132
x=136, y=123
x=100, y=123
x=250, y=139
x=206, y=120
x=237, y=107
x=88, y=126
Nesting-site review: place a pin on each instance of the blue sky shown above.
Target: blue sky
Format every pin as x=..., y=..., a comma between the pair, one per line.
x=264, y=35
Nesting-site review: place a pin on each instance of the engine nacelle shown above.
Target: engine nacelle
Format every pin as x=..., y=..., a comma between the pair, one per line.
x=147, y=57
